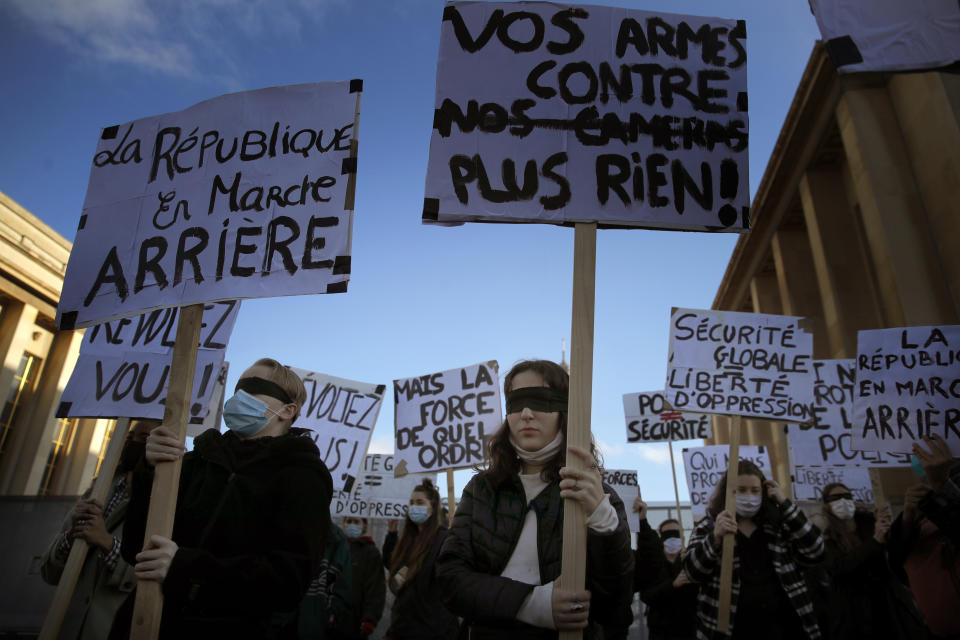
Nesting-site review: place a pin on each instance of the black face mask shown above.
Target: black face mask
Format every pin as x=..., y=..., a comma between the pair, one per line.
x=132, y=452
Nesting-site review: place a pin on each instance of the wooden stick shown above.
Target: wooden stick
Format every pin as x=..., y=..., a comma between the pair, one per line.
x=879, y=500
x=573, y=573
x=676, y=492
x=148, y=605
x=78, y=551
x=730, y=504
x=451, y=497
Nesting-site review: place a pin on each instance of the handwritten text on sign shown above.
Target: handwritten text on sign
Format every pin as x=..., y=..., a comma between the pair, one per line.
x=808, y=482
x=908, y=387
x=649, y=420
x=747, y=364
x=241, y=196
x=341, y=414
x=705, y=466
x=625, y=483
x=442, y=418
x=828, y=440
x=556, y=113
x=124, y=365
x=377, y=494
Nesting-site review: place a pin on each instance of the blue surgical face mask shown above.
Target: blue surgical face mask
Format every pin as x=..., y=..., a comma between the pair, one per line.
x=244, y=414
x=353, y=530
x=418, y=513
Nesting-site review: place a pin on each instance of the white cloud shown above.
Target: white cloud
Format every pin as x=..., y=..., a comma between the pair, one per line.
x=655, y=454
x=381, y=445
x=607, y=449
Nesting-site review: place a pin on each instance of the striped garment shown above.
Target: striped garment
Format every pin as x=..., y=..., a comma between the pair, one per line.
x=794, y=540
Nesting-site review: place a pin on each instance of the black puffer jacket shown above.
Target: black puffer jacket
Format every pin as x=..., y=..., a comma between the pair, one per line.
x=485, y=531
x=251, y=521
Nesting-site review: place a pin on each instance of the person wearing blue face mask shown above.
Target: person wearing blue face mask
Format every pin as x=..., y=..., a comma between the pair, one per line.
x=251, y=520
x=368, y=591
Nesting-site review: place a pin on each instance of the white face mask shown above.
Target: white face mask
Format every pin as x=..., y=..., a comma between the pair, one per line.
x=748, y=505
x=843, y=508
x=672, y=546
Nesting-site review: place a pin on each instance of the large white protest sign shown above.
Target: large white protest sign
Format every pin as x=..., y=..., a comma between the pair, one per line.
x=241, y=196
x=556, y=113
x=441, y=419
x=377, y=494
x=624, y=482
x=341, y=414
x=808, y=482
x=214, y=417
x=828, y=439
x=734, y=363
x=649, y=419
x=124, y=365
x=908, y=387
x=705, y=466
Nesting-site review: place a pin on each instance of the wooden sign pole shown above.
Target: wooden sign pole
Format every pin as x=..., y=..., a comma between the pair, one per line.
x=730, y=504
x=451, y=497
x=148, y=605
x=78, y=551
x=676, y=493
x=573, y=574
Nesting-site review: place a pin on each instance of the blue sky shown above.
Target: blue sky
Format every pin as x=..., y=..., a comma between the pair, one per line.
x=421, y=299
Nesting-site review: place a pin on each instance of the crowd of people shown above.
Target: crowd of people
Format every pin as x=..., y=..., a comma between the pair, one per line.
x=255, y=554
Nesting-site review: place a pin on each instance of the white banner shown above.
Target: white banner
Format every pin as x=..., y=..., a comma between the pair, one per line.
x=650, y=420
x=124, y=365
x=377, y=494
x=214, y=418
x=342, y=414
x=557, y=113
x=624, y=482
x=441, y=419
x=747, y=364
x=908, y=387
x=705, y=466
x=808, y=482
x=241, y=196
x=828, y=440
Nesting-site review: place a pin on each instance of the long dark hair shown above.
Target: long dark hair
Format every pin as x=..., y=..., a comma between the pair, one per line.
x=719, y=496
x=836, y=532
x=503, y=462
x=416, y=541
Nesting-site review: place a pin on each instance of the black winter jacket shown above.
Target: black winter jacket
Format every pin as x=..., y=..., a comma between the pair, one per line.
x=368, y=590
x=485, y=531
x=671, y=611
x=251, y=521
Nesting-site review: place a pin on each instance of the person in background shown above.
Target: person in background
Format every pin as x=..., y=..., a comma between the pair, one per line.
x=769, y=596
x=924, y=540
x=368, y=591
x=106, y=579
x=418, y=612
x=499, y=565
x=328, y=597
x=670, y=595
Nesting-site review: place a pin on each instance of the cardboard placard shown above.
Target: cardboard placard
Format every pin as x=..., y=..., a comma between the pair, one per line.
x=704, y=466
x=649, y=419
x=808, y=482
x=624, y=482
x=376, y=493
x=749, y=364
x=240, y=196
x=441, y=419
x=579, y=113
x=214, y=418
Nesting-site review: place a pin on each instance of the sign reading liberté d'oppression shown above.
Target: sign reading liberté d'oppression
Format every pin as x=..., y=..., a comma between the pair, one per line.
x=123, y=368
x=441, y=419
x=650, y=420
x=704, y=466
x=734, y=363
x=377, y=494
x=557, y=113
x=809, y=482
x=908, y=388
x=341, y=414
x=240, y=196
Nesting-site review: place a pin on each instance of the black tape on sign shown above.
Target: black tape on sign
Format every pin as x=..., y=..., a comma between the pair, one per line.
x=348, y=482
x=431, y=208
x=349, y=166
x=68, y=321
x=341, y=265
x=64, y=409
x=196, y=420
x=843, y=51
x=742, y=101
x=380, y=389
x=337, y=287
x=83, y=222
x=109, y=133
x=745, y=215
x=760, y=448
x=356, y=85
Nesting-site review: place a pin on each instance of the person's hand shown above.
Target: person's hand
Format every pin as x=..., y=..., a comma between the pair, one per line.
x=725, y=524
x=640, y=507
x=154, y=561
x=163, y=446
x=883, y=524
x=911, y=500
x=681, y=579
x=571, y=609
x=937, y=461
x=774, y=492
x=392, y=526
x=583, y=485
x=367, y=628
x=88, y=525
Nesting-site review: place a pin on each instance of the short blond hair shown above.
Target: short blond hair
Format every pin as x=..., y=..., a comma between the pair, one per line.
x=288, y=381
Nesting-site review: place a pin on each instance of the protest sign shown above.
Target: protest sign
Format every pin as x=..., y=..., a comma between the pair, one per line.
x=624, y=482
x=828, y=439
x=908, y=387
x=704, y=466
x=124, y=365
x=215, y=408
x=376, y=493
x=442, y=418
x=241, y=196
x=808, y=482
x=649, y=419
x=734, y=363
x=341, y=414
x=578, y=113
